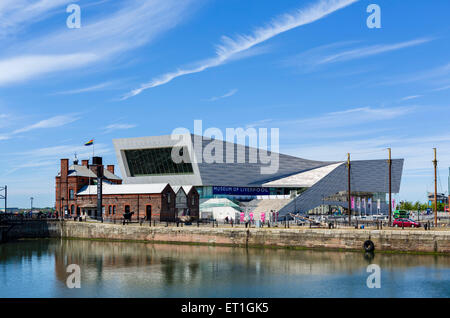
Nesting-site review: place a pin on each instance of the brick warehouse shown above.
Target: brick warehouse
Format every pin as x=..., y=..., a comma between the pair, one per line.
x=76, y=195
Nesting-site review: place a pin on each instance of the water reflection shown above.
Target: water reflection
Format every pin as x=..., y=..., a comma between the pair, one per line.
x=113, y=269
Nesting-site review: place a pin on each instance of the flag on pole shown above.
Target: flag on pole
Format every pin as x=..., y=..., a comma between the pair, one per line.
x=89, y=143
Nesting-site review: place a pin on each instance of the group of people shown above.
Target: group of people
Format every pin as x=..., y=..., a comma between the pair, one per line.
x=228, y=220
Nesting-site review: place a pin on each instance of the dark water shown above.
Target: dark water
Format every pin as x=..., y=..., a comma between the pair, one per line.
x=37, y=268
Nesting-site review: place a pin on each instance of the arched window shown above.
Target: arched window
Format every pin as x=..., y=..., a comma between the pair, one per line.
x=114, y=209
x=110, y=210
x=127, y=209
x=72, y=209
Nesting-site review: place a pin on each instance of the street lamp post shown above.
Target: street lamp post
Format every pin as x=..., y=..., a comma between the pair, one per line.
x=390, y=187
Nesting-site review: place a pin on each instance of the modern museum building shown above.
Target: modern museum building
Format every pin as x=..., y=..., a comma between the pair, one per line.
x=244, y=175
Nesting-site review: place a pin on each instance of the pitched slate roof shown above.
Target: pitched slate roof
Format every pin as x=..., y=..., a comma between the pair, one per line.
x=124, y=189
x=185, y=188
x=83, y=171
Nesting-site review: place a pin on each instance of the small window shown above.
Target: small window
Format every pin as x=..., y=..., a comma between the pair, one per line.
x=114, y=210
x=168, y=197
x=110, y=210
x=71, y=194
x=127, y=209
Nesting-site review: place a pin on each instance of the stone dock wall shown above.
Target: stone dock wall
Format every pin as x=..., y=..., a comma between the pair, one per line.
x=384, y=240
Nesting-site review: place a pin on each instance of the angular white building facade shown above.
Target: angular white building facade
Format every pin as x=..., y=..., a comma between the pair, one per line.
x=212, y=167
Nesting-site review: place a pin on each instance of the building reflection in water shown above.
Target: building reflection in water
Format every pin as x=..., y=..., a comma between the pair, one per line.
x=174, y=264
x=113, y=269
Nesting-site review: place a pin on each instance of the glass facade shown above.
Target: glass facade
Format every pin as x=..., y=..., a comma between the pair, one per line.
x=156, y=161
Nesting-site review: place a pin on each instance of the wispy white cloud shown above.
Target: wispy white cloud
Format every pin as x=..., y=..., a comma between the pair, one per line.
x=52, y=122
x=17, y=69
x=17, y=14
x=232, y=47
x=369, y=51
x=88, y=89
x=440, y=72
x=353, y=116
x=134, y=24
x=114, y=127
x=229, y=94
x=411, y=97
x=327, y=54
x=50, y=156
x=65, y=151
x=443, y=88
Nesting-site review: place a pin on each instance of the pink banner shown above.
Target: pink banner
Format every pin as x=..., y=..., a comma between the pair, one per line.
x=353, y=202
x=251, y=216
x=263, y=217
x=242, y=217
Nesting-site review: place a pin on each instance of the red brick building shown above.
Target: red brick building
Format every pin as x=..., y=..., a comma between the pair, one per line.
x=71, y=179
x=76, y=195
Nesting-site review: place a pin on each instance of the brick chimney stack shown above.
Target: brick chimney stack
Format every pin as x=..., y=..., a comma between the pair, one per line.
x=64, y=169
x=111, y=168
x=85, y=163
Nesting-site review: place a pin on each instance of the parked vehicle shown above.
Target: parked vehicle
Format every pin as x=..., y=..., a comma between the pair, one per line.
x=401, y=214
x=405, y=223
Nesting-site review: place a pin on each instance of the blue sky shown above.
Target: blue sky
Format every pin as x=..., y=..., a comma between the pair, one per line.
x=141, y=68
